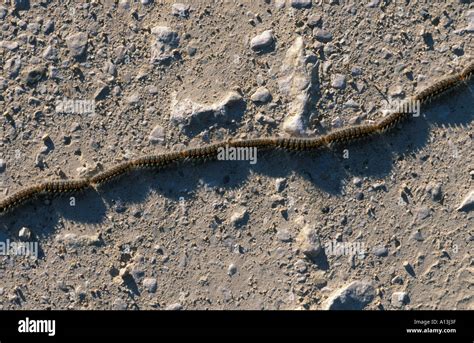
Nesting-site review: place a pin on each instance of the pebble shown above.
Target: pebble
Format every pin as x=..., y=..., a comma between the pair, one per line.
x=33, y=74
x=417, y=235
x=300, y=4
x=262, y=40
x=338, y=81
x=174, y=307
x=322, y=35
x=381, y=252
x=48, y=27
x=150, y=284
x=74, y=240
x=157, y=135
x=356, y=71
x=399, y=299
x=396, y=91
x=3, y=165
x=77, y=44
x=3, y=12
x=239, y=217
x=397, y=280
x=50, y=53
x=24, y=234
x=309, y=243
x=295, y=85
x=434, y=190
x=354, y=296
x=357, y=181
x=280, y=184
x=301, y=266
x=12, y=66
x=183, y=112
x=164, y=41
x=232, y=269
x=314, y=20
x=283, y=235
x=261, y=95
x=422, y=213
x=9, y=45
x=180, y=10
x=467, y=203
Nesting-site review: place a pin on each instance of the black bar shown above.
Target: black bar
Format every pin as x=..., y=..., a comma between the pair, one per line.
x=243, y=323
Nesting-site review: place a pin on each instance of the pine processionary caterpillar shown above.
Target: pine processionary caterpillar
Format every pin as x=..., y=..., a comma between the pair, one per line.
x=342, y=136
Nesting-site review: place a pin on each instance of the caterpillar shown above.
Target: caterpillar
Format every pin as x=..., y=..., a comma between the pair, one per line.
x=210, y=151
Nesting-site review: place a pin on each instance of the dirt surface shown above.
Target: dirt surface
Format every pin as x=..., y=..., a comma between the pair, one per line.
x=156, y=76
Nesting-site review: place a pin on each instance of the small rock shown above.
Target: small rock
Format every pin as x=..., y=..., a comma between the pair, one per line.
x=263, y=40
x=468, y=202
x=422, y=213
x=12, y=66
x=3, y=165
x=309, y=243
x=301, y=266
x=357, y=181
x=163, y=42
x=434, y=190
x=50, y=53
x=314, y=20
x=399, y=299
x=174, y=307
x=232, y=269
x=157, y=135
x=77, y=44
x=322, y=35
x=355, y=296
x=33, y=75
x=9, y=45
x=280, y=184
x=283, y=235
x=373, y=3
x=239, y=217
x=338, y=81
x=24, y=234
x=381, y=251
x=300, y=4
x=48, y=27
x=74, y=240
x=356, y=71
x=102, y=91
x=396, y=91
x=150, y=285
x=180, y=10
x=261, y=95
x=417, y=236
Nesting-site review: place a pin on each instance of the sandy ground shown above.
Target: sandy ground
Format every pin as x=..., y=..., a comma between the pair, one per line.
x=230, y=234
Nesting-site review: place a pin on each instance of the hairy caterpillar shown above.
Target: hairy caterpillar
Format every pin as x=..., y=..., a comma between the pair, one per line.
x=344, y=135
